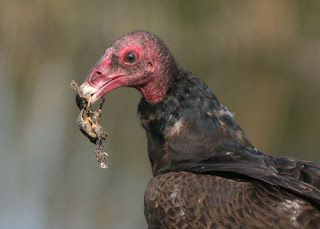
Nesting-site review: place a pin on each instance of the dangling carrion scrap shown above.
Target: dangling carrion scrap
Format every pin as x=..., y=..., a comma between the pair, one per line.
x=88, y=122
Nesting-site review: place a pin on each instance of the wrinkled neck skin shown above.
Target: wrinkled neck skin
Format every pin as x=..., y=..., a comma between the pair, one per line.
x=155, y=91
x=157, y=87
x=189, y=125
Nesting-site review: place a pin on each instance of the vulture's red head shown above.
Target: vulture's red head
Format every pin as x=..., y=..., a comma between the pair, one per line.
x=139, y=60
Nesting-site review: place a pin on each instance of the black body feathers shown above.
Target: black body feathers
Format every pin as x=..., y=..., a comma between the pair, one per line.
x=196, y=147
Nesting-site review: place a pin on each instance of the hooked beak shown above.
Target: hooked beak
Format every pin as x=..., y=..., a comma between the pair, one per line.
x=101, y=80
x=95, y=92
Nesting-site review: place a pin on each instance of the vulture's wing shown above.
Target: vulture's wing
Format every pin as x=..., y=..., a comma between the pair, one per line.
x=204, y=153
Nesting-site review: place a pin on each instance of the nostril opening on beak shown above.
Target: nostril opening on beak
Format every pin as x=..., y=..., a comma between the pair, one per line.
x=96, y=74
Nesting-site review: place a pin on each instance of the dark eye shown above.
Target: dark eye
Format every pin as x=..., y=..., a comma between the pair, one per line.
x=130, y=58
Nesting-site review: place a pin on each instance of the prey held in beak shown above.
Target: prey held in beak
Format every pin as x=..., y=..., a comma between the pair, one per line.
x=89, y=122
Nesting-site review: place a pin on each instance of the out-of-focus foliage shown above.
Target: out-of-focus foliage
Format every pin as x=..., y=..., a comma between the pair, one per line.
x=262, y=59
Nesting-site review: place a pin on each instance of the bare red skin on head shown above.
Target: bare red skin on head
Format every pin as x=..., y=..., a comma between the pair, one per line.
x=149, y=74
x=155, y=91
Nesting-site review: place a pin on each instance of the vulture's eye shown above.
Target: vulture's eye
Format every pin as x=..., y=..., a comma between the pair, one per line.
x=130, y=58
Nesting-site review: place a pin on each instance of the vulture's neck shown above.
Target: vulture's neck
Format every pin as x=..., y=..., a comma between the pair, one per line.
x=189, y=126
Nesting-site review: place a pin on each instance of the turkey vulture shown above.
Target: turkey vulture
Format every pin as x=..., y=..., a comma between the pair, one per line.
x=206, y=173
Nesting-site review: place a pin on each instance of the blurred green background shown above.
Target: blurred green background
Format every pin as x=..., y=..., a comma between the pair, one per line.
x=262, y=59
